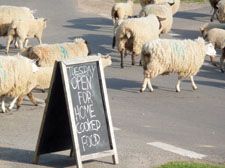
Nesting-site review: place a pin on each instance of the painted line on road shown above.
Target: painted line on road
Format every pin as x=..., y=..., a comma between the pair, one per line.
x=116, y=129
x=177, y=150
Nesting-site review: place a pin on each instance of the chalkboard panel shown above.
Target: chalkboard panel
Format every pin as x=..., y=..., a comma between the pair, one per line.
x=88, y=107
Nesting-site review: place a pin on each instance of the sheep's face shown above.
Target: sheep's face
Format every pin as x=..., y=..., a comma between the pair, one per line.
x=210, y=50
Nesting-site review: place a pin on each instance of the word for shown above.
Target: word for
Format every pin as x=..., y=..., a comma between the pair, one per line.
x=90, y=141
x=87, y=126
x=84, y=97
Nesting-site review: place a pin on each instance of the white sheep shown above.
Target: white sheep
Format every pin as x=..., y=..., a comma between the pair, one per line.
x=122, y=10
x=16, y=74
x=208, y=26
x=221, y=11
x=216, y=37
x=9, y=13
x=46, y=54
x=175, y=7
x=43, y=77
x=25, y=29
x=131, y=34
x=184, y=57
x=162, y=11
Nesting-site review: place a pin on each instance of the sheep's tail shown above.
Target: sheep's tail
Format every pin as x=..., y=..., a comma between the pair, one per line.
x=114, y=42
x=88, y=46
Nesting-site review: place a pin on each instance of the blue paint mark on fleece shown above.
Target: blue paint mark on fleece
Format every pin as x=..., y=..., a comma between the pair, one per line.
x=178, y=50
x=64, y=53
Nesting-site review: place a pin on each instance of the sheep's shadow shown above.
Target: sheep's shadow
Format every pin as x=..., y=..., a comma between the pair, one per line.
x=95, y=23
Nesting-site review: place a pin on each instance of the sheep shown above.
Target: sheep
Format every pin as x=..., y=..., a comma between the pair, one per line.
x=9, y=13
x=44, y=75
x=161, y=10
x=221, y=11
x=16, y=74
x=145, y=2
x=122, y=10
x=175, y=7
x=46, y=54
x=184, y=57
x=25, y=29
x=216, y=37
x=208, y=26
x=133, y=33
x=214, y=3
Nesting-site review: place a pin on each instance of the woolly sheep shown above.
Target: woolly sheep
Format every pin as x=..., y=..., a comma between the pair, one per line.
x=208, y=26
x=145, y=2
x=163, y=56
x=122, y=10
x=13, y=79
x=161, y=10
x=46, y=54
x=131, y=34
x=221, y=11
x=214, y=3
x=25, y=29
x=216, y=37
x=9, y=13
x=43, y=78
x=175, y=7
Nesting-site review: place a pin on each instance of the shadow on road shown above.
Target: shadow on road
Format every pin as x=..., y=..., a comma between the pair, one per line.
x=190, y=15
x=183, y=34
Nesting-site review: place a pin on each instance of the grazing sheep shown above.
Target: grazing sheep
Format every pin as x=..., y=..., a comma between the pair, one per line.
x=184, y=57
x=131, y=34
x=25, y=29
x=16, y=74
x=9, y=13
x=122, y=10
x=162, y=11
x=221, y=11
x=145, y=2
x=208, y=26
x=46, y=54
x=216, y=37
x=214, y=3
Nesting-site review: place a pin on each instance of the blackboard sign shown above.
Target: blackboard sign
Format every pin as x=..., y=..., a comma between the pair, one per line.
x=77, y=115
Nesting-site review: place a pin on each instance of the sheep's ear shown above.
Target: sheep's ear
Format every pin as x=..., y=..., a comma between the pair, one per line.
x=171, y=4
x=161, y=19
x=45, y=20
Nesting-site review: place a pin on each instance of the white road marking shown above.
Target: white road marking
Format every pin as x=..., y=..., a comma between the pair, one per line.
x=177, y=150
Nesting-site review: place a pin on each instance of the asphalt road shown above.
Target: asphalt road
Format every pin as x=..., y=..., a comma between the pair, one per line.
x=191, y=120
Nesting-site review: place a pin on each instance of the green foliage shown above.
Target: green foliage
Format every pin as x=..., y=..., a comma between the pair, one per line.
x=189, y=165
x=135, y=1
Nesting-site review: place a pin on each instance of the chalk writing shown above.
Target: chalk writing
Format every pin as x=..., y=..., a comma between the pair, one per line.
x=87, y=123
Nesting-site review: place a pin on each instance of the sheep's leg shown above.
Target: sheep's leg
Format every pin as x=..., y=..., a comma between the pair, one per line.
x=178, y=84
x=3, y=103
x=222, y=59
x=149, y=85
x=133, y=58
x=16, y=45
x=30, y=96
x=26, y=42
x=212, y=60
x=18, y=102
x=21, y=40
x=10, y=39
x=144, y=84
x=212, y=17
x=193, y=83
x=12, y=103
x=121, y=54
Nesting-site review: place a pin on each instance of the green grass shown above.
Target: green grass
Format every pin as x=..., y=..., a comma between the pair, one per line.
x=189, y=165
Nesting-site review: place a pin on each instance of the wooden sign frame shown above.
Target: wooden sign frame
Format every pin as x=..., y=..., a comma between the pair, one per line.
x=62, y=65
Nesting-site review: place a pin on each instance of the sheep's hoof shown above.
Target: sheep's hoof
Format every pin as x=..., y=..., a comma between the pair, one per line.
x=36, y=104
x=177, y=91
x=195, y=88
x=150, y=90
x=18, y=107
x=222, y=70
x=142, y=90
x=121, y=66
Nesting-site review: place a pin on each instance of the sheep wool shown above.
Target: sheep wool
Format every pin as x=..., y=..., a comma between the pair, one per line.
x=161, y=10
x=221, y=11
x=163, y=56
x=175, y=7
x=122, y=10
x=9, y=13
x=46, y=54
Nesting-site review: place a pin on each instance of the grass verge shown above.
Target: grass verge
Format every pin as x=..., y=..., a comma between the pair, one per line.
x=189, y=165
